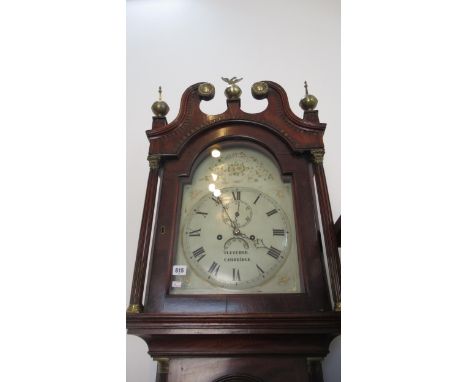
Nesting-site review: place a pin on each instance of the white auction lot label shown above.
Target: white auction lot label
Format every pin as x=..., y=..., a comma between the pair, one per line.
x=179, y=270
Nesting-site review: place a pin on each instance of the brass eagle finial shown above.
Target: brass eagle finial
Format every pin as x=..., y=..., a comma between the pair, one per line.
x=232, y=81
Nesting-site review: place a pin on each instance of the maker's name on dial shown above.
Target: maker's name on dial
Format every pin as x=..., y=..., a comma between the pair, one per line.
x=236, y=252
x=229, y=259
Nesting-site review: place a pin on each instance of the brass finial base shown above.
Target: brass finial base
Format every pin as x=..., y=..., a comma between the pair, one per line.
x=135, y=308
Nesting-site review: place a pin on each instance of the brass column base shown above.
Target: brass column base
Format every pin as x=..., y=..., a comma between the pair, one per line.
x=135, y=308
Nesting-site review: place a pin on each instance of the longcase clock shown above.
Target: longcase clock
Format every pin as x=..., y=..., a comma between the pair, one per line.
x=231, y=280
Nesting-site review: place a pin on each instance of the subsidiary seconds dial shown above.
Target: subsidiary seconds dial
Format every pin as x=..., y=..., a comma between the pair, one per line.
x=237, y=240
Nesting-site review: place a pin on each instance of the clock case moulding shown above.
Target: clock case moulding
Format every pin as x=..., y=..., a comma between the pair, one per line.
x=300, y=324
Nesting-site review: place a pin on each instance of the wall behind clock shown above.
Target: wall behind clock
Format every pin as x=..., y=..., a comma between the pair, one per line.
x=175, y=43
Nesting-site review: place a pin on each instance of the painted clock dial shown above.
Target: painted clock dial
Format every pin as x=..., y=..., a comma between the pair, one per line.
x=238, y=239
x=236, y=227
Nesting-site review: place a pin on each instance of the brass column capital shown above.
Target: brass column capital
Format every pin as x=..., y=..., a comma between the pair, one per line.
x=163, y=365
x=317, y=155
x=154, y=161
x=313, y=359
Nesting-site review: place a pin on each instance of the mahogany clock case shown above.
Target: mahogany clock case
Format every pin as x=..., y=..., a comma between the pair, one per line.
x=245, y=331
x=177, y=172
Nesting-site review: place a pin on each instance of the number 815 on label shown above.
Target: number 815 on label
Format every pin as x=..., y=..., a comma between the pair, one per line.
x=179, y=270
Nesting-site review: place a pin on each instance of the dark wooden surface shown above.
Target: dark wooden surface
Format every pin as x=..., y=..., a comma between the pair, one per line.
x=141, y=261
x=300, y=134
x=234, y=333
x=331, y=246
x=239, y=369
x=241, y=334
x=337, y=228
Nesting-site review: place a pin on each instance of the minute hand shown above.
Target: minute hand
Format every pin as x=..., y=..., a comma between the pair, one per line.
x=233, y=225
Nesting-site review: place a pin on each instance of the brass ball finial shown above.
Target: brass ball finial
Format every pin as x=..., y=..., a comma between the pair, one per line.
x=309, y=102
x=160, y=108
x=233, y=91
x=206, y=91
x=260, y=90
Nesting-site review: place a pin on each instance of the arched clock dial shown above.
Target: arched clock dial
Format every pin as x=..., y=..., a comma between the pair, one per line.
x=237, y=229
x=237, y=240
